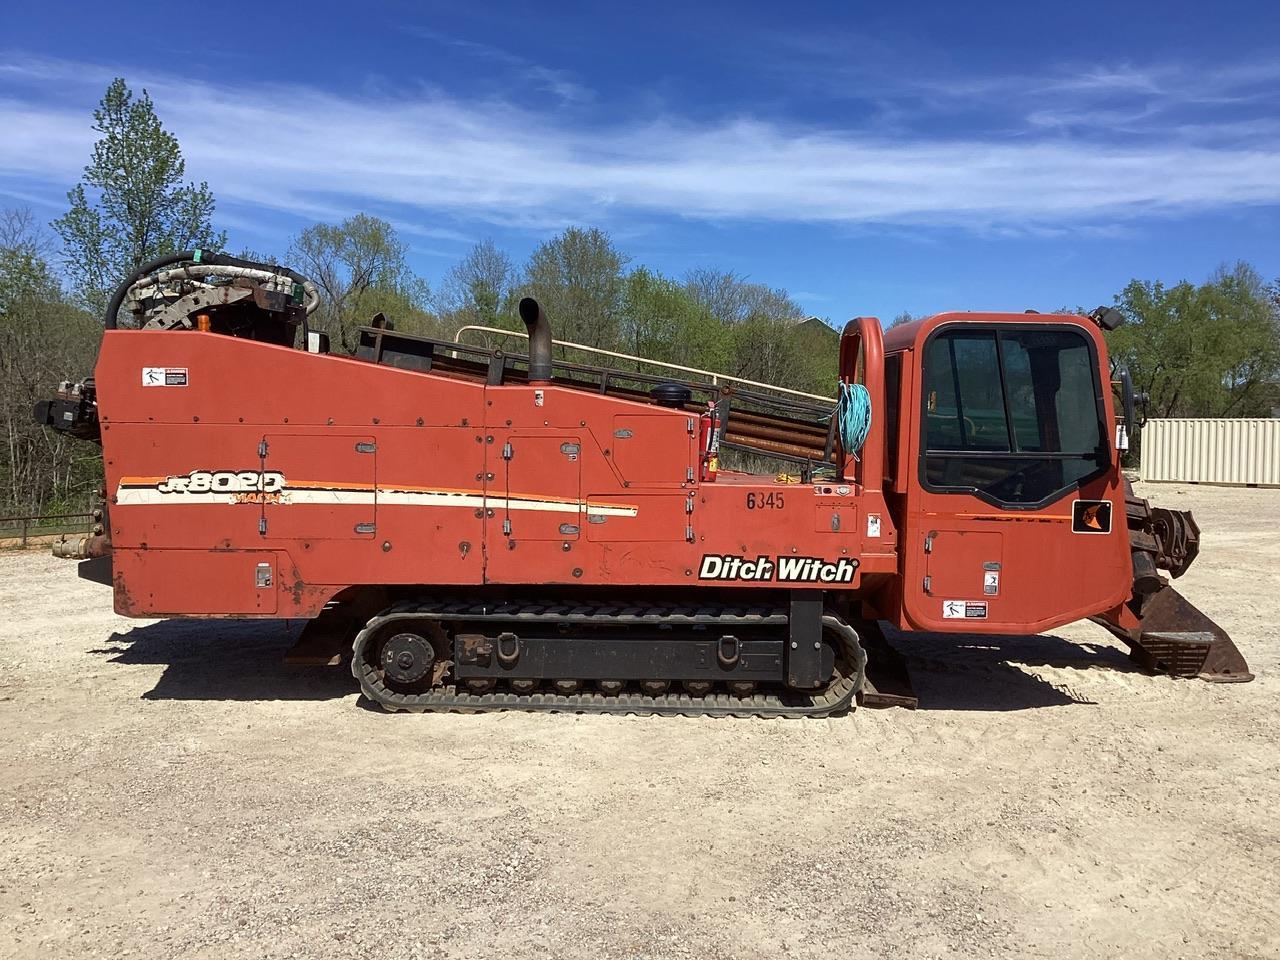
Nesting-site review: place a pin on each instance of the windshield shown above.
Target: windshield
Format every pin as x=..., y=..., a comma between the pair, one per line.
x=1012, y=415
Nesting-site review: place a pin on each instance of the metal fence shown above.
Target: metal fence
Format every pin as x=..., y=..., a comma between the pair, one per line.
x=1234, y=452
x=23, y=529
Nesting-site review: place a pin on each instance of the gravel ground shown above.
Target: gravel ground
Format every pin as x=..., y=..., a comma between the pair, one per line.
x=169, y=789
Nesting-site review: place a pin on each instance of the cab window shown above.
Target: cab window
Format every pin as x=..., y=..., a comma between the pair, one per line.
x=1012, y=415
x=892, y=387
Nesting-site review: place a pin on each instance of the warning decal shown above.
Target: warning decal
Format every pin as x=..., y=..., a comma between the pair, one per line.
x=964, y=609
x=164, y=376
x=1091, y=516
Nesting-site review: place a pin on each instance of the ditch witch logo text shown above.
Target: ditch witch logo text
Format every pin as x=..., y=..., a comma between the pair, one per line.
x=780, y=569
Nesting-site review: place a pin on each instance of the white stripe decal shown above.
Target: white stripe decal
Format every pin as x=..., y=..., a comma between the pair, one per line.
x=137, y=496
x=150, y=496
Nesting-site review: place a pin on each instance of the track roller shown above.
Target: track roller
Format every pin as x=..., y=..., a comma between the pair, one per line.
x=476, y=646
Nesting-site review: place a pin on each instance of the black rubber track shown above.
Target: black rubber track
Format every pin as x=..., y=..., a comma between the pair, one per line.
x=837, y=697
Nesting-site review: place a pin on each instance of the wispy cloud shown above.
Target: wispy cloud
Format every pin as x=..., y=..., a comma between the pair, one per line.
x=414, y=154
x=1103, y=101
x=557, y=82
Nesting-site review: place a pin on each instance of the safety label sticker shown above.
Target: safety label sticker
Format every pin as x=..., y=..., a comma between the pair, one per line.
x=1091, y=516
x=964, y=609
x=164, y=376
x=991, y=582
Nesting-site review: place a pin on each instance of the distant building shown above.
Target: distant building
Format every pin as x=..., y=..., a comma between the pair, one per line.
x=814, y=327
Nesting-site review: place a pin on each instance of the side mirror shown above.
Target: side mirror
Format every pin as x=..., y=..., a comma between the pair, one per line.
x=1134, y=404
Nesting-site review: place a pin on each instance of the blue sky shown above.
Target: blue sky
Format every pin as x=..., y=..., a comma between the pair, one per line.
x=870, y=158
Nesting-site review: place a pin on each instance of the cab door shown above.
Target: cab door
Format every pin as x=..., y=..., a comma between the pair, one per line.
x=1015, y=515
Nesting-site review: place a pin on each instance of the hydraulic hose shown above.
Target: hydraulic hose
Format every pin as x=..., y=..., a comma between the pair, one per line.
x=117, y=299
x=196, y=257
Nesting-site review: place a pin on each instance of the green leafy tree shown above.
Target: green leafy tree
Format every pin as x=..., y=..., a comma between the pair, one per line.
x=766, y=340
x=1243, y=303
x=131, y=205
x=360, y=270
x=817, y=356
x=1269, y=395
x=42, y=340
x=659, y=320
x=1211, y=350
x=577, y=277
x=765, y=350
x=25, y=275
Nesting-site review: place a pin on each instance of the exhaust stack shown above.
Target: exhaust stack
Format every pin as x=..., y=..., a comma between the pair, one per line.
x=539, y=340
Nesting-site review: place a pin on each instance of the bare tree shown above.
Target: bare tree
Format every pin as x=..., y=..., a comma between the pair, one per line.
x=721, y=292
x=359, y=266
x=19, y=230
x=478, y=289
x=761, y=321
x=732, y=299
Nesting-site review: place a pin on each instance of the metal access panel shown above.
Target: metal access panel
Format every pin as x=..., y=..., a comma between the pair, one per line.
x=643, y=444
x=181, y=582
x=640, y=517
x=965, y=565
x=535, y=493
x=319, y=487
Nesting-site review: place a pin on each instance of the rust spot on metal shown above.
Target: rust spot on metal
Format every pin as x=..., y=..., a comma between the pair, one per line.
x=125, y=604
x=474, y=648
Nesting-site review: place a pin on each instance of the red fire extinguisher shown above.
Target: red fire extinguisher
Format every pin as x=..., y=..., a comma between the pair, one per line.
x=709, y=443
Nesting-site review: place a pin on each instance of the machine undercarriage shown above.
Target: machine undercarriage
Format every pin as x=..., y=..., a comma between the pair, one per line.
x=601, y=657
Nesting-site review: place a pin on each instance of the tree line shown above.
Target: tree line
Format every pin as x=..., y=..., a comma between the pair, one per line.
x=1207, y=349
